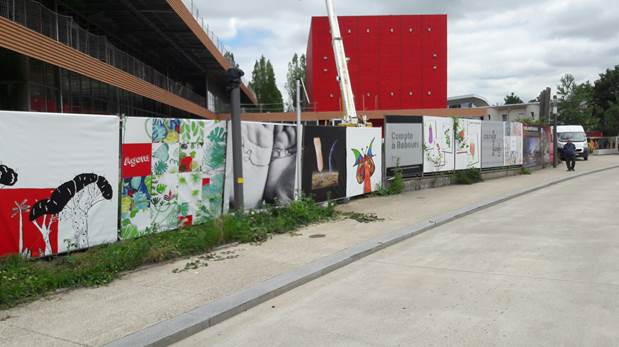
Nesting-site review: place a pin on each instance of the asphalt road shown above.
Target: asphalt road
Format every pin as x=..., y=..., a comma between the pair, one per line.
x=540, y=270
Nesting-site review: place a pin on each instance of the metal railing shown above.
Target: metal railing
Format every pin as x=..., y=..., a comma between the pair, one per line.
x=189, y=4
x=64, y=29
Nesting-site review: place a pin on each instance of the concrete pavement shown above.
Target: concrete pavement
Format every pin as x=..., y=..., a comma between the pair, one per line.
x=540, y=270
x=140, y=299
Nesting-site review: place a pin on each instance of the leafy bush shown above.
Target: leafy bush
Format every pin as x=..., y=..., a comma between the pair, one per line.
x=395, y=187
x=468, y=176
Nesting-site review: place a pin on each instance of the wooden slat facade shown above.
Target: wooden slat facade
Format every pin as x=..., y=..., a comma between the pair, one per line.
x=20, y=39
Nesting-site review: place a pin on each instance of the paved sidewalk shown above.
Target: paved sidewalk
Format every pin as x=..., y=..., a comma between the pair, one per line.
x=140, y=299
x=538, y=270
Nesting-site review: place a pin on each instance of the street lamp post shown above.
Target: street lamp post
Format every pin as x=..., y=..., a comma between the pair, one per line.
x=234, y=85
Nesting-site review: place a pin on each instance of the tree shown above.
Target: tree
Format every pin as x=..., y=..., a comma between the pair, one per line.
x=605, y=98
x=296, y=71
x=513, y=99
x=8, y=177
x=71, y=201
x=18, y=210
x=230, y=57
x=566, y=86
x=575, y=102
x=264, y=85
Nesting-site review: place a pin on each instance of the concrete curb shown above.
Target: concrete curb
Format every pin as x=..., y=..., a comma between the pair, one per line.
x=171, y=331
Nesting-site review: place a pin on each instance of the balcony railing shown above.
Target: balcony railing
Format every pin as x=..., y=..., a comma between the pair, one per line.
x=64, y=29
x=214, y=38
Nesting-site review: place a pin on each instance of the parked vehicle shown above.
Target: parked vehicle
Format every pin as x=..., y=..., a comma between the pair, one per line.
x=577, y=134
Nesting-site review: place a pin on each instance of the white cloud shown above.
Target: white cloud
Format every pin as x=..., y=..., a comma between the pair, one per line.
x=495, y=47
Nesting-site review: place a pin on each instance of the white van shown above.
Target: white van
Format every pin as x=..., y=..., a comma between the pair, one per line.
x=577, y=134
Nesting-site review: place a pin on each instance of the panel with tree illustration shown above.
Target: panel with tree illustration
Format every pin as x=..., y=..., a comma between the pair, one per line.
x=57, y=182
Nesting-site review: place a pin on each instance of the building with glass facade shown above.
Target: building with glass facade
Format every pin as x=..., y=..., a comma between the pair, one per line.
x=138, y=58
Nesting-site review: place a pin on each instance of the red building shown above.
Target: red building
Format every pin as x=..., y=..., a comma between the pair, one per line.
x=395, y=62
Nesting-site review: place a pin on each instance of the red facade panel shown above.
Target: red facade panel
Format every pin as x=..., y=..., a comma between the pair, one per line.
x=395, y=62
x=441, y=59
x=427, y=75
x=350, y=35
x=390, y=66
x=367, y=94
x=412, y=83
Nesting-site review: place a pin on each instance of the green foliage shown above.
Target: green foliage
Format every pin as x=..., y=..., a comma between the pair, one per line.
x=575, y=103
x=217, y=153
x=230, y=57
x=512, y=99
x=264, y=85
x=468, y=176
x=605, y=98
x=22, y=280
x=296, y=71
x=525, y=171
x=396, y=186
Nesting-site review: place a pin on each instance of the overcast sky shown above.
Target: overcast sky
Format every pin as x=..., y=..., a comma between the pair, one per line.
x=495, y=47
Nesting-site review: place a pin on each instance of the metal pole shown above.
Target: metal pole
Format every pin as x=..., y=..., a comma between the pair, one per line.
x=234, y=80
x=122, y=122
x=299, y=149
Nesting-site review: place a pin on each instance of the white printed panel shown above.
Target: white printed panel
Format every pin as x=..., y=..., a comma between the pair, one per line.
x=363, y=160
x=65, y=171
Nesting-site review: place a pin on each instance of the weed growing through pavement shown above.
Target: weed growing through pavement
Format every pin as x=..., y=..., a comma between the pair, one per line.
x=468, y=176
x=363, y=217
x=203, y=260
x=395, y=187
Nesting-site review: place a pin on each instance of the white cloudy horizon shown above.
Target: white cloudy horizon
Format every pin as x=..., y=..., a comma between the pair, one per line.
x=495, y=47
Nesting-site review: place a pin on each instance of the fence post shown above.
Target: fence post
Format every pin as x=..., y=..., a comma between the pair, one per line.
x=122, y=124
x=299, y=144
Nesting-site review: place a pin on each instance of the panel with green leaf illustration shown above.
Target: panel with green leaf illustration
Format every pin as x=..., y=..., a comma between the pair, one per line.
x=192, y=131
x=165, y=158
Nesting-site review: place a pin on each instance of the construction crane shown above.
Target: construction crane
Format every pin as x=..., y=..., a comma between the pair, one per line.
x=341, y=63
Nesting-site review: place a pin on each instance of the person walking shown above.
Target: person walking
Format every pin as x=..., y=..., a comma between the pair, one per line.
x=569, y=153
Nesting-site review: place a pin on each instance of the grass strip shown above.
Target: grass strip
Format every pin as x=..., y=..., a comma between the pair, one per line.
x=23, y=280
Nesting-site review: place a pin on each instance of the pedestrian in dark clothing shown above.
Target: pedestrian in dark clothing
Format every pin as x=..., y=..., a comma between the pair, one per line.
x=569, y=153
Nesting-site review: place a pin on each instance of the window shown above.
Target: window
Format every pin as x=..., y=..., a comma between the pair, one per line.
x=37, y=98
x=574, y=136
x=504, y=118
